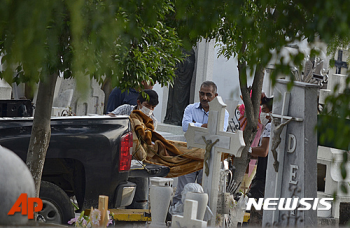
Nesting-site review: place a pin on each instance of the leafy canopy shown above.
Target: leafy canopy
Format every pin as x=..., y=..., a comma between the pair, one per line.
x=136, y=40
x=127, y=41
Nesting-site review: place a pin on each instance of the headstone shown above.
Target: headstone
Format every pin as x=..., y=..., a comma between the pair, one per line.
x=296, y=153
x=216, y=141
x=92, y=102
x=337, y=76
x=62, y=103
x=331, y=159
x=335, y=79
x=15, y=179
x=339, y=63
x=18, y=91
x=189, y=219
x=5, y=90
x=202, y=199
x=63, y=99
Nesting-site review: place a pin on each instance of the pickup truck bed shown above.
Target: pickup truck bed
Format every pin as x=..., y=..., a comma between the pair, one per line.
x=83, y=158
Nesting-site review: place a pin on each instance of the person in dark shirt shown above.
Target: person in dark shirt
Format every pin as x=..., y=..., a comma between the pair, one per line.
x=147, y=107
x=118, y=98
x=257, y=188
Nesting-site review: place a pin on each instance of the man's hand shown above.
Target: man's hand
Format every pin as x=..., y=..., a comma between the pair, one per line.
x=204, y=125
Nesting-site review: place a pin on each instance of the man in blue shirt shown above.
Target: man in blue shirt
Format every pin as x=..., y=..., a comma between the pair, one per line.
x=118, y=98
x=197, y=113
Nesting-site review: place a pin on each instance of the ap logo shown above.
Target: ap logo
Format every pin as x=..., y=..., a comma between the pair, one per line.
x=26, y=206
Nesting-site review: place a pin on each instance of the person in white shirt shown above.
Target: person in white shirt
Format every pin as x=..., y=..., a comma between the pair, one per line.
x=197, y=113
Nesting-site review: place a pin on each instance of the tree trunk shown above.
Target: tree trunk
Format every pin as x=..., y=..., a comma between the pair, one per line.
x=41, y=130
x=252, y=107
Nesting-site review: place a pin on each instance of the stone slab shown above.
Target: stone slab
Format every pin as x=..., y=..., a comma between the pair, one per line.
x=5, y=90
x=327, y=222
x=176, y=130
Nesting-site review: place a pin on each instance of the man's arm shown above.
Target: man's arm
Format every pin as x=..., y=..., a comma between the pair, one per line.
x=188, y=118
x=263, y=149
x=125, y=109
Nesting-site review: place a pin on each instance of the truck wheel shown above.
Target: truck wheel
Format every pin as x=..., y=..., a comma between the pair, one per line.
x=57, y=207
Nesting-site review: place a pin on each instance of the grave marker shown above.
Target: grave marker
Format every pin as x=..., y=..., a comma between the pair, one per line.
x=339, y=63
x=217, y=141
x=331, y=159
x=189, y=219
x=297, y=154
x=5, y=90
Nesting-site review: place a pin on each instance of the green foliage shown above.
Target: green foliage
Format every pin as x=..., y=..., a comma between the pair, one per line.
x=343, y=188
x=333, y=126
x=127, y=41
x=131, y=41
x=334, y=121
x=256, y=32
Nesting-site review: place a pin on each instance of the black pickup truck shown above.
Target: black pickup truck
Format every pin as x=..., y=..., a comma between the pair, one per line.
x=87, y=156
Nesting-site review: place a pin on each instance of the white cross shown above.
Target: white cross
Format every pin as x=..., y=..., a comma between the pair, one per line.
x=189, y=219
x=231, y=143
